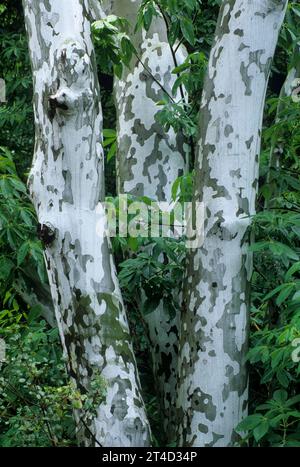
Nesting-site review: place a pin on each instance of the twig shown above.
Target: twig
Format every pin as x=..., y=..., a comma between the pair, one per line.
x=154, y=79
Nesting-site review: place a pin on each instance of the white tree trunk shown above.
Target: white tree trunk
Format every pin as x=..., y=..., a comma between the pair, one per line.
x=149, y=160
x=66, y=184
x=213, y=387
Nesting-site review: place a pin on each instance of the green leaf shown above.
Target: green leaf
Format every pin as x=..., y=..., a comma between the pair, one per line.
x=280, y=396
x=108, y=142
x=108, y=133
x=179, y=69
x=282, y=377
x=276, y=357
x=285, y=293
x=187, y=30
x=34, y=313
x=294, y=268
x=18, y=185
x=133, y=243
x=274, y=292
x=23, y=252
x=277, y=248
x=293, y=401
x=296, y=9
x=118, y=68
x=127, y=50
x=112, y=151
x=149, y=12
x=261, y=430
x=175, y=188
x=27, y=217
x=250, y=422
x=6, y=266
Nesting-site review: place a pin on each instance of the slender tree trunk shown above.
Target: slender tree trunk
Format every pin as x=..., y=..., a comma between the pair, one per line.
x=213, y=387
x=149, y=160
x=277, y=147
x=66, y=184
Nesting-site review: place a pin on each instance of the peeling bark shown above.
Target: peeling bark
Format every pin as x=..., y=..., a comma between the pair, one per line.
x=213, y=386
x=149, y=160
x=66, y=183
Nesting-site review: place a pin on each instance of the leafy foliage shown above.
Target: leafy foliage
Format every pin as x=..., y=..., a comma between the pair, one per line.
x=110, y=142
x=20, y=251
x=36, y=397
x=16, y=115
x=113, y=43
x=182, y=21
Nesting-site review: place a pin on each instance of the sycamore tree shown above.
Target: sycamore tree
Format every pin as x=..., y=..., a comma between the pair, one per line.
x=149, y=160
x=198, y=353
x=66, y=183
x=213, y=385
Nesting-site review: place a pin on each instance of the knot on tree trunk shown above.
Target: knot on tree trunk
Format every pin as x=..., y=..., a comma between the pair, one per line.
x=73, y=84
x=64, y=99
x=46, y=233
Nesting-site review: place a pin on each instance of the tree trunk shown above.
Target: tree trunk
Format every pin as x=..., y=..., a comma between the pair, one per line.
x=66, y=184
x=213, y=385
x=149, y=160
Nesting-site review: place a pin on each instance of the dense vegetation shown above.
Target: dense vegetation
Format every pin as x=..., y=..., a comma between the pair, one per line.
x=36, y=399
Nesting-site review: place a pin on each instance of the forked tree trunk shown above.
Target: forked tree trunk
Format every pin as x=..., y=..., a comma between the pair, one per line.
x=213, y=387
x=149, y=160
x=66, y=184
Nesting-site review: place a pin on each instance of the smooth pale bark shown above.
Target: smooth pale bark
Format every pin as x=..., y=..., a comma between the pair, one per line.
x=149, y=160
x=277, y=148
x=213, y=386
x=66, y=184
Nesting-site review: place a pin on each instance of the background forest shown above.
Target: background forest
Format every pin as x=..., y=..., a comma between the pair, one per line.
x=36, y=397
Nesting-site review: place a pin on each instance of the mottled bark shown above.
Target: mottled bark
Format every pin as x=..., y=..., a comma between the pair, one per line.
x=66, y=184
x=213, y=387
x=149, y=160
x=148, y=157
